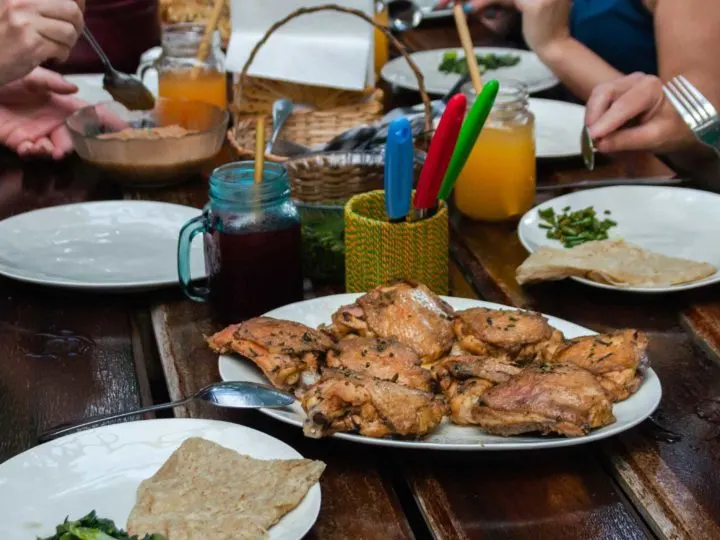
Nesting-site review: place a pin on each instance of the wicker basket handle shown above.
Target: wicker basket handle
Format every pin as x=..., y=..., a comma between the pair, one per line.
x=357, y=13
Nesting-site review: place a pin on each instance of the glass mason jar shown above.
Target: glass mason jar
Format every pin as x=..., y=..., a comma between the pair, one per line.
x=498, y=180
x=180, y=43
x=252, y=244
x=382, y=44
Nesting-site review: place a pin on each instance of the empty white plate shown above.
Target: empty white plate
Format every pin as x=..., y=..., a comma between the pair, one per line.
x=109, y=245
x=101, y=469
x=673, y=221
x=558, y=125
x=529, y=71
x=447, y=436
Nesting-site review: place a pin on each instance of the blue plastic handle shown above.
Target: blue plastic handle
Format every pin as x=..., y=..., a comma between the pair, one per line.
x=399, y=155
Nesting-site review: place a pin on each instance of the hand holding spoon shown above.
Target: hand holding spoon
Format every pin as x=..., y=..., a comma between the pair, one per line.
x=123, y=88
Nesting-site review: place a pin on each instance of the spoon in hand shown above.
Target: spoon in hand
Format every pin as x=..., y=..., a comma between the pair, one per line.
x=123, y=88
x=236, y=395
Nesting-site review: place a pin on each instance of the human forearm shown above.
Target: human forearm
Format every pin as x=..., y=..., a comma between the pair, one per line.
x=577, y=67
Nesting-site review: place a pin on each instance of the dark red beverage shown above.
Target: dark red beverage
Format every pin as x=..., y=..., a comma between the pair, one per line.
x=252, y=272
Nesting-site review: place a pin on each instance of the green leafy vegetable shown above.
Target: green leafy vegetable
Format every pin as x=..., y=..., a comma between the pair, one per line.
x=453, y=63
x=575, y=228
x=91, y=527
x=323, y=245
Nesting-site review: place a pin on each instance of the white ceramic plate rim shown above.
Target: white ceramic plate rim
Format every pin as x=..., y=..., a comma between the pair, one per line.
x=650, y=386
x=410, y=83
x=542, y=102
x=302, y=517
x=530, y=219
x=91, y=285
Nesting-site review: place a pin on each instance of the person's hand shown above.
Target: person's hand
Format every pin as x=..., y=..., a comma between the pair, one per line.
x=545, y=23
x=477, y=5
x=33, y=31
x=632, y=113
x=33, y=112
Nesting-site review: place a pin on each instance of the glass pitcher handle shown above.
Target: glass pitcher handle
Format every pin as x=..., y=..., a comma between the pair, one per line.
x=191, y=229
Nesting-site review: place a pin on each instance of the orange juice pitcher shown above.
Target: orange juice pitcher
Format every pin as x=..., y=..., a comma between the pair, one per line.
x=175, y=65
x=498, y=180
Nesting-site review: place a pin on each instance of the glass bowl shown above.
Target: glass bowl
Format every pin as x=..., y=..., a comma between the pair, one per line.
x=141, y=155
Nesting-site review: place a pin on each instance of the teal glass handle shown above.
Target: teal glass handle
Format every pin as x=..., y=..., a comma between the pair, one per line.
x=189, y=231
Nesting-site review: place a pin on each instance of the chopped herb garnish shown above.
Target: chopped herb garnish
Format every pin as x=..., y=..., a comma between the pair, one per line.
x=575, y=228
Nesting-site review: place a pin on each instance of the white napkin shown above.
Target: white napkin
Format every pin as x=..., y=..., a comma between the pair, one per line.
x=324, y=49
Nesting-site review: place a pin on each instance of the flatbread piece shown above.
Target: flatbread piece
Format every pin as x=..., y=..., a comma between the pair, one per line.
x=615, y=262
x=209, y=492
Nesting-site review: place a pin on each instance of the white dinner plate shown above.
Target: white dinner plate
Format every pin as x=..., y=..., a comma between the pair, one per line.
x=90, y=87
x=558, y=125
x=101, y=469
x=529, y=71
x=108, y=245
x=673, y=221
x=447, y=436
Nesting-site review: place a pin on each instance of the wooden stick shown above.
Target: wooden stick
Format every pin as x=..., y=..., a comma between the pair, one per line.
x=259, y=149
x=204, y=48
x=466, y=41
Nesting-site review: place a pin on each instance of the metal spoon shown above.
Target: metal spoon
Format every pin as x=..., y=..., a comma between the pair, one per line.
x=281, y=111
x=404, y=15
x=123, y=88
x=236, y=395
x=588, y=149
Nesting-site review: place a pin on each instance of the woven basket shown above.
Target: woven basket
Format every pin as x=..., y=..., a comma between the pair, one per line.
x=317, y=125
x=377, y=251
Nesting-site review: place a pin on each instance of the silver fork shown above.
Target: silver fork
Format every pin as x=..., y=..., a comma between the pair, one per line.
x=697, y=112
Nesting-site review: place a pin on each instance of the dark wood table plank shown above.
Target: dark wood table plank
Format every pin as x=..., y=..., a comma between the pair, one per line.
x=358, y=502
x=667, y=468
x=546, y=494
x=64, y=355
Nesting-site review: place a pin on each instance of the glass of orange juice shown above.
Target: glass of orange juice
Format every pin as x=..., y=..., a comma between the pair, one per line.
x=498, y=180
x=382, y=45
x=175, y=65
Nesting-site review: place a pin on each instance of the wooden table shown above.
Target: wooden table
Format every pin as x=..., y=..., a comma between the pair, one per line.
x=66, y=355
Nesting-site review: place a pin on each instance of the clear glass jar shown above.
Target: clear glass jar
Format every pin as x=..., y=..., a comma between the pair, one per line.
x=498, y=180
x=382, y=44
x=175, y=66
x=252, y=243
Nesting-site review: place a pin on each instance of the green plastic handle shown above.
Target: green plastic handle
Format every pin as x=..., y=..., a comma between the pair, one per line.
x=470, y=131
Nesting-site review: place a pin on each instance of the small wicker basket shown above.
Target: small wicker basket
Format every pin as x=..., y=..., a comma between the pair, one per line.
x=311, y=127
x=377, y=251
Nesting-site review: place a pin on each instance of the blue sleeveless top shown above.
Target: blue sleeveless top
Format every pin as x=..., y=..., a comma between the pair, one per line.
x=619, y=31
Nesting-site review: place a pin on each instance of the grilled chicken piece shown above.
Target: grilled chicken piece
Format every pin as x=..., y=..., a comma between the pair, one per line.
x=509, y=335
x=618, y=360
x=409, y=313
x=345, y=402
x=549, y=398
x=384, y=359
x=287, y=352
x=464, y=379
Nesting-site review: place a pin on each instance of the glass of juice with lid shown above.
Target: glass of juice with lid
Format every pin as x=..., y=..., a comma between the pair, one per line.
x=498, y=180
x=176, y=78
x=251, y=235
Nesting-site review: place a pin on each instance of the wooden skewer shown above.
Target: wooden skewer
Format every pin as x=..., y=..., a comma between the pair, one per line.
x=259, y=149
x=466, y=41
x=204, y=48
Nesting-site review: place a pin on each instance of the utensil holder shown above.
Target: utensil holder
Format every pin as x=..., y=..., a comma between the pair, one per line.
x=377, y=251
